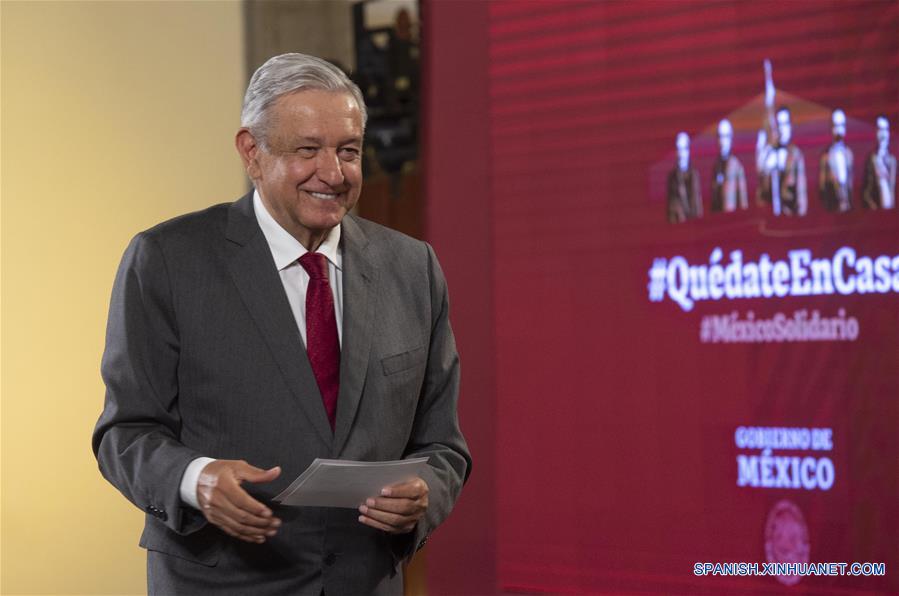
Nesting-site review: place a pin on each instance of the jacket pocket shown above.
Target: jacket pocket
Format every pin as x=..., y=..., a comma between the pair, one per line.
x=403, y=361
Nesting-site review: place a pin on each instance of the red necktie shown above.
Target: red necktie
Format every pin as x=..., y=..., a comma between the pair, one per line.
x=322, y=344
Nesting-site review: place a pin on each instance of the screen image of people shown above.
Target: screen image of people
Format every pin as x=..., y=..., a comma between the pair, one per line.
x=780, y=163
x=782, y=187
x=879, y=187
x=835, y=169
x=728, y=176
x=684, y=191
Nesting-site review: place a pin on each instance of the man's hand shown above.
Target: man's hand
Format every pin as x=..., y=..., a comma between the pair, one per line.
x=399, y=507
x=228, y=506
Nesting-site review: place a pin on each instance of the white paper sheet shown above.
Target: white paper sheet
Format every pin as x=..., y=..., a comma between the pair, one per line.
x=344, y=483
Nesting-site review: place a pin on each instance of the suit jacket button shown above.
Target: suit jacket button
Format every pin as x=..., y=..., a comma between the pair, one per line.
x=330, y=559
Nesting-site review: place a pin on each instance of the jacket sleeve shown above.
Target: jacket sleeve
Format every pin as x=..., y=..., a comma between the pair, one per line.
x=435, y=432
x=136, y=439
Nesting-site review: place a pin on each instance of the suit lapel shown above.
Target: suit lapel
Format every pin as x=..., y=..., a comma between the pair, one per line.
x=254, y=273
x=360, y=279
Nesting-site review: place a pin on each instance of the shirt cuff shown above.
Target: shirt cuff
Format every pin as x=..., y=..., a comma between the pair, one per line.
x=189, y=481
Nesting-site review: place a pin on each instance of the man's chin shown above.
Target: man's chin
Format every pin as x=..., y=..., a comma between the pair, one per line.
x=326, y=222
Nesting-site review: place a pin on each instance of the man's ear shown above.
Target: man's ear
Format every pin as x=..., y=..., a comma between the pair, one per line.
x=248, y=148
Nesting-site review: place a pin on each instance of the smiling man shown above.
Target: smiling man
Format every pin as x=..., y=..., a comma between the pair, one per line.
x=248, y=339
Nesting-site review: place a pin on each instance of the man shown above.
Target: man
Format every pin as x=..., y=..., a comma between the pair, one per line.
x=728, y=177
x=684, y=195
x=780, y=163
x=879, y=187
x=835, y=171
x=268, y=332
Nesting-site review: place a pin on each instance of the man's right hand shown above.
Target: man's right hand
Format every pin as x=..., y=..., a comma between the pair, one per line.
x=226, y=505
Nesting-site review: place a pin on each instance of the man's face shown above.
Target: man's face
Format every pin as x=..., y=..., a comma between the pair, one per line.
x=309, y=174
x=883, y=132
x=682, y=144
x=725, y=137
x=839, y=124
x=784, y=128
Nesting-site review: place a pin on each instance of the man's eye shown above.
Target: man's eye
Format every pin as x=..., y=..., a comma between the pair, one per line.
x=307, y=151
x=349, y=153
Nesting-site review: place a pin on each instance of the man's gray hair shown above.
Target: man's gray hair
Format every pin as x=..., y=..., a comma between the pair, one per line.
x=288, y=73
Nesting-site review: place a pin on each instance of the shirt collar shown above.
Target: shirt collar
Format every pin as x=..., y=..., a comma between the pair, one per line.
x=285, y=248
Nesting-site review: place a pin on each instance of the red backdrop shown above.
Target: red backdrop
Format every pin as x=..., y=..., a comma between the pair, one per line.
x=609, y=429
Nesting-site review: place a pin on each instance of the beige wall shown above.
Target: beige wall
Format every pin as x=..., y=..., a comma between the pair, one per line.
x=115, y=115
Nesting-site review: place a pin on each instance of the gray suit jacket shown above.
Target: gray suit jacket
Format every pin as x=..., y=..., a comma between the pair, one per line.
x=203, y=358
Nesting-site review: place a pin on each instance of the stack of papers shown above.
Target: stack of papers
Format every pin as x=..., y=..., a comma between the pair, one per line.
x=345, y=483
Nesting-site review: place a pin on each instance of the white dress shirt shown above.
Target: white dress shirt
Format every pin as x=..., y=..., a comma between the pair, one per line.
x=286, y=251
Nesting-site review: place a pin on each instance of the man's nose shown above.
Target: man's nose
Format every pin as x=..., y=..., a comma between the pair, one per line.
x=329, y=168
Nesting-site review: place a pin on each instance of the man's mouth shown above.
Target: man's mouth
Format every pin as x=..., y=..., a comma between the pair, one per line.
x=324, y=196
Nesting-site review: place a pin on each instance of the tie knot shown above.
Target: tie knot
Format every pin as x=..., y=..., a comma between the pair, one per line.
x=315, y=264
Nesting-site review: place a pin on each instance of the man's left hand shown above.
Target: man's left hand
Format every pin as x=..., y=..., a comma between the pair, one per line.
x=399, y=507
